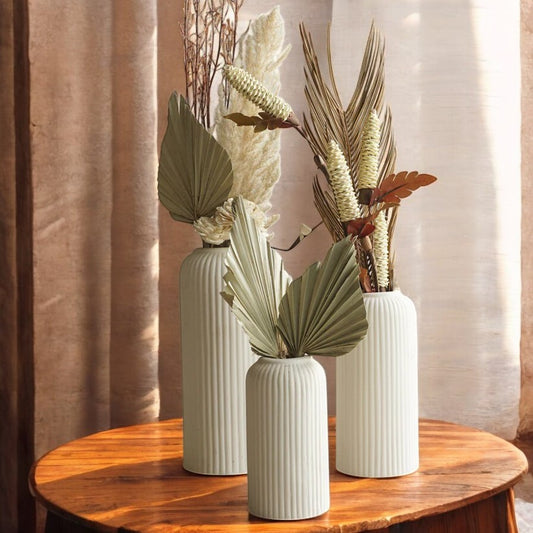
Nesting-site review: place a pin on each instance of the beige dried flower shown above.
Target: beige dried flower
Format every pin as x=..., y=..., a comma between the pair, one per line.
x=341, y=183
x=216, y=229
x=256, y=92
x=368, y=167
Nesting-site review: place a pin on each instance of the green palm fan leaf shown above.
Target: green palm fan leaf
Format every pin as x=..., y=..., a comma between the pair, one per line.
x=322, y=312
x=195, y=174
x=255, y=283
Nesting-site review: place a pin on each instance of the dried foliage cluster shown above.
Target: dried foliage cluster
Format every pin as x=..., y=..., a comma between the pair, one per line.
x=354, y=148
x=203, y=166
x=358, y=193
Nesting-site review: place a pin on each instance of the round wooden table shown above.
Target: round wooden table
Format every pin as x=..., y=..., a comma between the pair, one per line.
x=132, y=479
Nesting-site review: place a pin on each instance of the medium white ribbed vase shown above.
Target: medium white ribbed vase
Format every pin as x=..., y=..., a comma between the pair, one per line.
x=377, y=393
x=287, y=426
x=215, y=358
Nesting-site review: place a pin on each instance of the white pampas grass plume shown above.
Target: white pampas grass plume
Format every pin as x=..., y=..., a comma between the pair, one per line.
x=255, y=157
x=368, y=167
x=381, y=249
x=244, y=83
x=341, y=183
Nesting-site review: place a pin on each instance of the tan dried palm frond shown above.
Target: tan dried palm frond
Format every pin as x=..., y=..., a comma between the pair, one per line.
x=327, y=209
x=329, y=120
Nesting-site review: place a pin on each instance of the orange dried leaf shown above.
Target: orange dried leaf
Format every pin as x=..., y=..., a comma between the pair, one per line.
x=398, y=186
x=361, y=227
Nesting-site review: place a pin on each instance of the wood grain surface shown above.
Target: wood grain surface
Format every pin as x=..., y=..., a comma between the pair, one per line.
x=132, y=478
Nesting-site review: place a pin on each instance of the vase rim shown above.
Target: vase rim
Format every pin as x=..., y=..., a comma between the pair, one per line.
x=216, y=249
x=287, y=360
x=396, y=291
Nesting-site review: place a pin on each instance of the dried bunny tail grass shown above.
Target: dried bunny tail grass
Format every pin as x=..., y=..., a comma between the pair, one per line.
x=263, y=50
x=256, y=92
x=368, y=167
x=255, y=157
x=381, y=250
x=341, y=183
x=216, y=229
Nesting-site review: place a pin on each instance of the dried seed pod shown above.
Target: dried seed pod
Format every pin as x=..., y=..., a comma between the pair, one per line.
x=341, y=183
x=368, y=167
x=256, y=92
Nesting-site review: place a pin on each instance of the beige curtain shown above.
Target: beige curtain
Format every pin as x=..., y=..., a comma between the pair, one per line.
x=89, y=330
x=94, y=155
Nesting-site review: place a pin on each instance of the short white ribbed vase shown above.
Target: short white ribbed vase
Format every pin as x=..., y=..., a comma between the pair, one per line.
x=287, y=426
x=377, y=393
x=215, y=358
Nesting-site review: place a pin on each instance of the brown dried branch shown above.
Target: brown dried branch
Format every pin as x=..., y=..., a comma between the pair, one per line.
x=209, y=37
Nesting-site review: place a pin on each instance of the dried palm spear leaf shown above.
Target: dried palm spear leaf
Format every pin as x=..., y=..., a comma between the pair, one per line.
x=195, y=174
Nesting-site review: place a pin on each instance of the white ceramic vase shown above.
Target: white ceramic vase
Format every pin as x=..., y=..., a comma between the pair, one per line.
x=215, y=358
x=377, y=393
x=287, y=427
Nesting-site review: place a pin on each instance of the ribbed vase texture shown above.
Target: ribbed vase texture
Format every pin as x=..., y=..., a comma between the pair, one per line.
x=287, y=425
x=377, y=393
x=215, y=358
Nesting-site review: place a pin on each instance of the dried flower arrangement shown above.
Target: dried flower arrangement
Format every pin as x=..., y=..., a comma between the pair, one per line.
x=353, y=149
x=320, y=313
x=204, y=166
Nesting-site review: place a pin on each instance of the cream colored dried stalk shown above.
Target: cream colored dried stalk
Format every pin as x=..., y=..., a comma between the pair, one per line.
x=341, y=183
x=368, y=167
x=381, y=250
x=255, y=157
x=368, y=178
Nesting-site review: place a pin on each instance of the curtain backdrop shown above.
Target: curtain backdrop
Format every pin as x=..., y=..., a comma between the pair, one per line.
x=90, y=262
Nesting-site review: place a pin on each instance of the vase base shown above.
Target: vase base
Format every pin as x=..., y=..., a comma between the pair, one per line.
x=288, y=517
x=222, y=473
x=384, y=475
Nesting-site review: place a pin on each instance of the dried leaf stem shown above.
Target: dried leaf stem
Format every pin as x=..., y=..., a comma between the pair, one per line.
x=208, y=33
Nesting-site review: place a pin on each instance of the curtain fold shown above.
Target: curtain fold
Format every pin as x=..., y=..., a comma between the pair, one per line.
x=134, y=217
x=8, y=266
x=17, y=511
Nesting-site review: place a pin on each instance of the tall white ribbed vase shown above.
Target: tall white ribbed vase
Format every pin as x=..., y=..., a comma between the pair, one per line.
x=215, y=358
x=377, y=393
x=287, y=427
